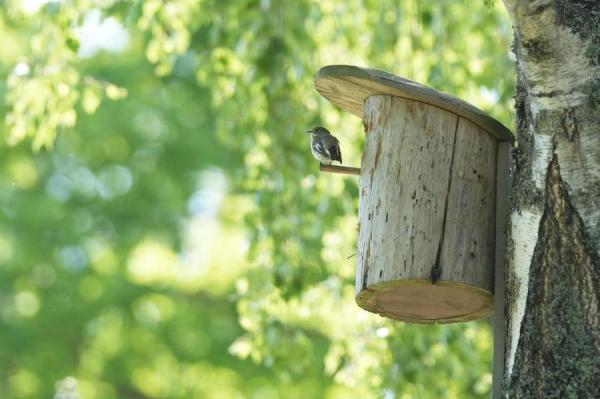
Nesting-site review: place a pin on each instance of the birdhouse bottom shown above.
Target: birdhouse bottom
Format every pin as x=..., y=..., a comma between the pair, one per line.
x=420, y=301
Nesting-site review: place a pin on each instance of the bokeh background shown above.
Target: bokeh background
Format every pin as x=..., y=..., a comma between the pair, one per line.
x=164, y=230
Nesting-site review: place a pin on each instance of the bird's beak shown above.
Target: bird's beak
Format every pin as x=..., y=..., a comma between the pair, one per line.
x=309, y=131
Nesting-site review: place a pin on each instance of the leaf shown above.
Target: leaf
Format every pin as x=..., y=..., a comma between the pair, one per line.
x=115, y=92
x=72, y=43
x=91, y=99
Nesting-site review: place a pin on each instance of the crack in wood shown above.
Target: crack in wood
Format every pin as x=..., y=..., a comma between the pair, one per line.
x=366, y=262
x=378, y=152
x=436, y=270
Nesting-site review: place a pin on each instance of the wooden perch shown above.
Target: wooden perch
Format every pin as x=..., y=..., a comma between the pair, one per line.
x=344, y=170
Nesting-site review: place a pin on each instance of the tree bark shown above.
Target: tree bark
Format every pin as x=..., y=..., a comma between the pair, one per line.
x=553, y=244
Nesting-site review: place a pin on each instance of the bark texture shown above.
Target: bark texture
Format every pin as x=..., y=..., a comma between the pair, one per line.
x=553, y=258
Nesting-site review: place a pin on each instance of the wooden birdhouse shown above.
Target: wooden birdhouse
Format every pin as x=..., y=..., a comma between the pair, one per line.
x=433, y=186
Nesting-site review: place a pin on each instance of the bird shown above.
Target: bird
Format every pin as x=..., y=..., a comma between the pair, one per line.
x=324, y=146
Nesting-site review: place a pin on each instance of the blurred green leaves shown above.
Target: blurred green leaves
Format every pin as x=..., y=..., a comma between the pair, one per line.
x=45, y=85
x=169, y=27
x=178, y=240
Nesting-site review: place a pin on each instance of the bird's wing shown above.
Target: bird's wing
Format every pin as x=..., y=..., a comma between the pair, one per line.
x=319, y=148
x=333, y=148
x=336, y=154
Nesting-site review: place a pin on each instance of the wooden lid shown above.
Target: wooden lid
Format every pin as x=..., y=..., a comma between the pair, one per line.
x=348, y=87
x=420, y=301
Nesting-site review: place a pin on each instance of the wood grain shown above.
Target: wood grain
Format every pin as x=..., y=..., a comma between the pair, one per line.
x=349, y=86
x=427, y=202
x=419, y=301
x=469, y=234
x=403, y=188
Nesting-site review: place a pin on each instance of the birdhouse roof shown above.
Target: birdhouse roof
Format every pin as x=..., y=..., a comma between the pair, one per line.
x=349, y=86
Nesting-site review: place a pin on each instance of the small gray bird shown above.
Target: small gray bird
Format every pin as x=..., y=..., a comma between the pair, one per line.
x=324, y=146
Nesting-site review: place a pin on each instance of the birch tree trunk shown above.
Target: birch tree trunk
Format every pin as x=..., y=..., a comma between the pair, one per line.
x=553, y=258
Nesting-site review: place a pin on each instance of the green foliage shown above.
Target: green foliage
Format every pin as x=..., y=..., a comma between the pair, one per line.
x=44, y=87
x=178, y=241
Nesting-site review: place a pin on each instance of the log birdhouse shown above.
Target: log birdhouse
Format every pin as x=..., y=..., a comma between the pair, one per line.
x=430, y=192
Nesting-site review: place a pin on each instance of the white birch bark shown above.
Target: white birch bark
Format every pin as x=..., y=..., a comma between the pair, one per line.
x=553, y=251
